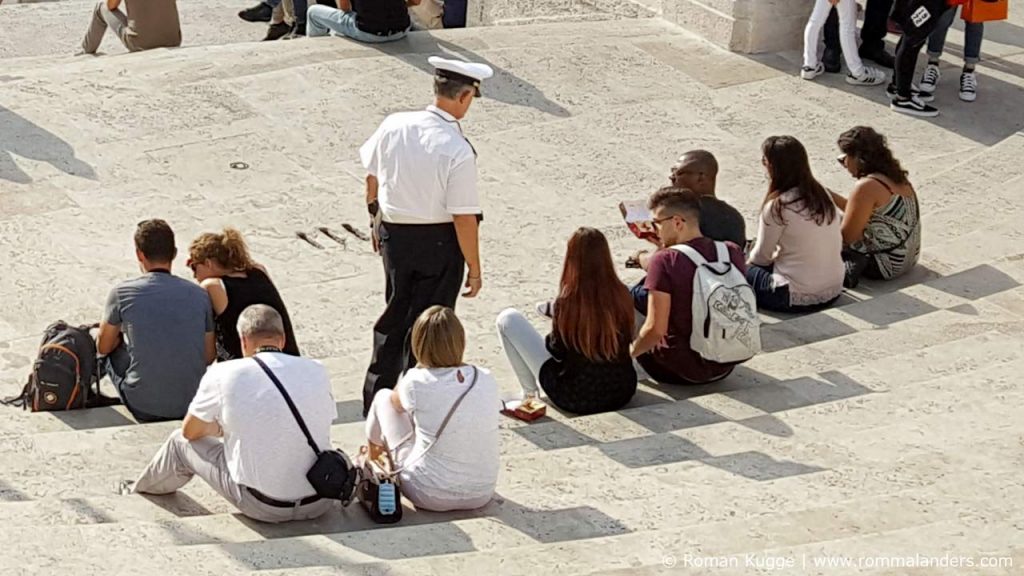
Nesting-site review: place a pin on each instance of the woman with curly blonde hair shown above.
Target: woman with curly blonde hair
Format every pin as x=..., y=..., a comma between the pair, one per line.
x=222, y=266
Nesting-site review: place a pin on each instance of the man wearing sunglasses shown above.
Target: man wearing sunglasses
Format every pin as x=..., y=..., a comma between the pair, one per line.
x=665, y=296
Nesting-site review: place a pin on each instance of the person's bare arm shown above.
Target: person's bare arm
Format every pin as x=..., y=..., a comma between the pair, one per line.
x=396, y=401
x=468, y=231
x=211, y=347
x=108, y=339
x=655, y=327
x=218, y=295
x=113, y=5
x=863, y=200
x=345, y=5
x=839, y=200
x=193, y=428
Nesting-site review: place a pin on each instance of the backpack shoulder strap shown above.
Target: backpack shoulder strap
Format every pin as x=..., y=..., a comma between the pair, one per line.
x=291, y=405
x=690, y=253
x=723, y=253
x=444, y=424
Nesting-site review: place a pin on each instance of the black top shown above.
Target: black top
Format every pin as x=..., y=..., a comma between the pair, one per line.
x=575, y=384
x=381, y=17
x=255, y=288
x=721, y=222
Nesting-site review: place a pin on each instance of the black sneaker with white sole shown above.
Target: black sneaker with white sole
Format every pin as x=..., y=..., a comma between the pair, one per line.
x=913, y=107
x=915, y=92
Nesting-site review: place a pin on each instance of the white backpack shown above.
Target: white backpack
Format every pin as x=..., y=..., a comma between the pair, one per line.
x=726, y=327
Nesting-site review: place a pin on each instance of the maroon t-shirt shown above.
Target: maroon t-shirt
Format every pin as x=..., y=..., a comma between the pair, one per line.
x=670, y=271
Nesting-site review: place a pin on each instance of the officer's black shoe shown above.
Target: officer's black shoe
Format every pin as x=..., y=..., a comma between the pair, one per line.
x=831, y=60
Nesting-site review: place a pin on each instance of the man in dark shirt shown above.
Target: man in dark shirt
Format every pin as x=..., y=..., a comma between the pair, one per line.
x=697, y=170
x=370, y=21
x=662, y=346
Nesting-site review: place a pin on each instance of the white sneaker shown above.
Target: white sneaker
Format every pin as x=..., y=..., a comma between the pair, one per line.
x=869, y=77
x=808, y=73
x=968, y=86
x=930, y=78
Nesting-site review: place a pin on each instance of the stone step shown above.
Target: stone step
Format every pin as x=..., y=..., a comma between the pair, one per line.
x=715, y=455
x=140, y=440
x=460, y=539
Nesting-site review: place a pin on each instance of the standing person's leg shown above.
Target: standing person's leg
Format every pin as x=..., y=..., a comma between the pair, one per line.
x=398, y=253
x=918, y=18
x=936, y=44
x=833, y=51
x=872, y=34
x=427, y=14
x=812, y=32
x=937, y=39
x=301, y=7
x=524, y=348
x=847, y=10
x=440, y=272
x=454, y=15
x=974, y=32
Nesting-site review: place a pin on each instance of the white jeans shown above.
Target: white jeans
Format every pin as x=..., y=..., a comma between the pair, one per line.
x=847, y=10
x=524, y=347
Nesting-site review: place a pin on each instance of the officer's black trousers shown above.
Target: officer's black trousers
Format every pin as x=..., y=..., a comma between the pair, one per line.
x=423, y=266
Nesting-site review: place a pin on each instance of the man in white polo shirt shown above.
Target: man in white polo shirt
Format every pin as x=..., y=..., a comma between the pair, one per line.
x=261, y=464
x=421, y=193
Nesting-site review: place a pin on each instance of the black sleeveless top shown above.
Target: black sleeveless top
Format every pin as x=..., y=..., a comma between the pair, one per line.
x=255, y=288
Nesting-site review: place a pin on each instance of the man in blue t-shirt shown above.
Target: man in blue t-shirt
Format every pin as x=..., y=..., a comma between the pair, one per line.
x=157, y=334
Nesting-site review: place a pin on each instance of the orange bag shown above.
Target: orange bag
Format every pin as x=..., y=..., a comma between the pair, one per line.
x=985, y=10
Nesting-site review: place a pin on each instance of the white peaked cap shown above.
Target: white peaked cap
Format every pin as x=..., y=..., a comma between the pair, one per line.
x=469, y=72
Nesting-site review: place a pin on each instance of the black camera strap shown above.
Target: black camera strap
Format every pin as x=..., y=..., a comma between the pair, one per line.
x=291, y=405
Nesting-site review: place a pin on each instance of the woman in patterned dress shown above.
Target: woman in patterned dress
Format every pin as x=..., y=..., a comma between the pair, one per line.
x=881, y=218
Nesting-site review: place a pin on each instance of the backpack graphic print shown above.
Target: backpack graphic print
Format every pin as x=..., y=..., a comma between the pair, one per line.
x=726, y=328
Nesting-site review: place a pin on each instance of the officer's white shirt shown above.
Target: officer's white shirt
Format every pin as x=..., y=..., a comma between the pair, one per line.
x=425, y=167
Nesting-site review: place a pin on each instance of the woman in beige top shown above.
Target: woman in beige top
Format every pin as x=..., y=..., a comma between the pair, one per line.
x=796, y=263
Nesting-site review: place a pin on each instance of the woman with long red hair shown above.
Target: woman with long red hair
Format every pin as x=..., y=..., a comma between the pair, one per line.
x=584, y=364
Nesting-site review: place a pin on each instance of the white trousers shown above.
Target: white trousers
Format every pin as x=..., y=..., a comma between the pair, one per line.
x=847, y=34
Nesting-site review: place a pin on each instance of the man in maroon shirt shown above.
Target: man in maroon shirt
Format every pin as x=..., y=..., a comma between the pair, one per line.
x=666, y=298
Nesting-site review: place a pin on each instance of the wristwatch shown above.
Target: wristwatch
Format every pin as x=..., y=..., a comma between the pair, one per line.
x=373, y=208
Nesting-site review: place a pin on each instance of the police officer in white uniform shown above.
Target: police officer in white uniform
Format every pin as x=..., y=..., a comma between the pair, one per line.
x=421, y=193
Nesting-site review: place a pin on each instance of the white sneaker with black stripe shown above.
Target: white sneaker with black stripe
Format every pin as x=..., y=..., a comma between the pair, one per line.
x=869, y=77
x=808, y=73
x=968, y=86
x=930, y=78
x=913, y=107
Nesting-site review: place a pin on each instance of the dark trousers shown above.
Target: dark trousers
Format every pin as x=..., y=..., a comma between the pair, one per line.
x=927, y=14
x=872, y=34
x=776, y=298
x=423, y=266
x=454, y=15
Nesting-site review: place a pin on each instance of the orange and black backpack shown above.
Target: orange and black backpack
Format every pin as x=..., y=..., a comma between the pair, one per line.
x=64, y=372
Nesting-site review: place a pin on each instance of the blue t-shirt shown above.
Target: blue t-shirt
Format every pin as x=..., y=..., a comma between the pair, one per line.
x=164, y=320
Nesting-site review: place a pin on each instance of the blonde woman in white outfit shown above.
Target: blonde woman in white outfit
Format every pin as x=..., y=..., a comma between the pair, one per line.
x=858, y=74
x=451, y=466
